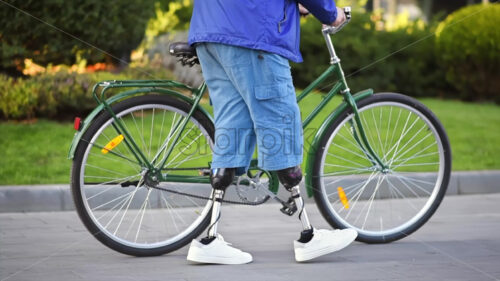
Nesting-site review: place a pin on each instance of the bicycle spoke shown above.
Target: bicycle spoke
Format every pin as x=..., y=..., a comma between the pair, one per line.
x=350, y=189
x=344, y=172
x=141, y=135
x=342, y=158
x=358, y=194
x=348, y=150
x=98, y=155
x=106, y=170
x=128, y=206
x=393, y=133
x=408, y=142
x=402, y=136
x=100, y=147
x=402, y=195
x=370, y=200
x=381, y=148
x=401, y=155
x=151, y=134
x=170, y=213
x=108, y=182
x=387, y=132
x=183, y=150
x=142, y=216
x=400, y=178
x=417, y=155
x=110, y=201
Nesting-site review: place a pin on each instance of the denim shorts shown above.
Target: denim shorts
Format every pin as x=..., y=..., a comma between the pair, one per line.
x=254, y=103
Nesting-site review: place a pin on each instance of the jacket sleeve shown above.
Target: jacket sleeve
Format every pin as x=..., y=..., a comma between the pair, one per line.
x=324, y=10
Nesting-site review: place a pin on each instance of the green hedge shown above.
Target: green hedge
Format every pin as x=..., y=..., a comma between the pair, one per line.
x=468, y=44
x=412, y=71
x=60, y=95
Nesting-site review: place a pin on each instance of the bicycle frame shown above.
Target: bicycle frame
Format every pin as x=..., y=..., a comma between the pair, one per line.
x=172, y=88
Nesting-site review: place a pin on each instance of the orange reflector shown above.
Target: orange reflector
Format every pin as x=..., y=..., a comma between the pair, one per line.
x=342, y=197
x=112, y=144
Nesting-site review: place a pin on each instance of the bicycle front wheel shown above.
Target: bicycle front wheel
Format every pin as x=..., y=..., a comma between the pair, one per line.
x=118, y=204
x=383, y=204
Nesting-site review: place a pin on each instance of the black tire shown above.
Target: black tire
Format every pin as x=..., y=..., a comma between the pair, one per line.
x=81, y=200
x=338, y=214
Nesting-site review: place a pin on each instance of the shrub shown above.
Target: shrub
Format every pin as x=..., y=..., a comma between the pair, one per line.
x=367, y=57
x=17, y=99
x=60, y=95
x=467, y=44
x=115, y=26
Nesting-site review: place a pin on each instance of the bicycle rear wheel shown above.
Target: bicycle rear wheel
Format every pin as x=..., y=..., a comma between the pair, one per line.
x=383, y=205
x=126, y=213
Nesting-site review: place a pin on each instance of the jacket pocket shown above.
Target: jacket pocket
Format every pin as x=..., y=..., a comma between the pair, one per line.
x=284, y=18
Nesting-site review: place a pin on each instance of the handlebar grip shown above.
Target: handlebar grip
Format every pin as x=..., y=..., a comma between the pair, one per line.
x=332, y=29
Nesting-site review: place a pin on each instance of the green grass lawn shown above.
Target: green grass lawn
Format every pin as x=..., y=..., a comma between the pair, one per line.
x=37, y=153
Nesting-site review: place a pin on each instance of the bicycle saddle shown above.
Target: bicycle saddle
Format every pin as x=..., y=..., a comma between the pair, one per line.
x=182, y=49
x=185, y=52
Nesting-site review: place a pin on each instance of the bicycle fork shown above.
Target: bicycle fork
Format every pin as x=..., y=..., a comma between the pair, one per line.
x=360, y=137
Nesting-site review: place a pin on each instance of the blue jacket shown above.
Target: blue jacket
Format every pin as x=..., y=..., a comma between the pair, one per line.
x=269, y=25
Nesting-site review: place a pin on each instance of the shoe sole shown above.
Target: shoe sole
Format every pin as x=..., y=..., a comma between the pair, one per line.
x=312, y=255
x=216, y=260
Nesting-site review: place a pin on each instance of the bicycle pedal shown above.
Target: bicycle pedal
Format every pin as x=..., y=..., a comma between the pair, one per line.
x=204, y=172
x=289, y=208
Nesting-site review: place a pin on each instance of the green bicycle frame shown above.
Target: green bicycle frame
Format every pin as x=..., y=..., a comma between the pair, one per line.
x=173, y=88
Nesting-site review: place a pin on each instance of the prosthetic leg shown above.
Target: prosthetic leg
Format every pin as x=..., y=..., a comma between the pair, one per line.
x=213, y=248
x=290, y=179
x=220, y=180
x=312, y=243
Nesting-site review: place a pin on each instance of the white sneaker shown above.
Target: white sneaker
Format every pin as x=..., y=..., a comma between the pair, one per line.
x=324, y=242
x=218, y=251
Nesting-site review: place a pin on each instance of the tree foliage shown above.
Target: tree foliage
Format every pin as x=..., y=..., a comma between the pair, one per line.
x=46, y=30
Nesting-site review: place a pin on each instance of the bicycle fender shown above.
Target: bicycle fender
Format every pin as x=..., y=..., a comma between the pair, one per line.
x=321, y=132
x=88, y=120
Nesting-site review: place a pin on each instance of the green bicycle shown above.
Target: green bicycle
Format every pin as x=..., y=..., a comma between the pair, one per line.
x=379, y=163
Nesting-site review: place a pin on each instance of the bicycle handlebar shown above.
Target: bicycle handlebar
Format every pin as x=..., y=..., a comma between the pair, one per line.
x=333, y=29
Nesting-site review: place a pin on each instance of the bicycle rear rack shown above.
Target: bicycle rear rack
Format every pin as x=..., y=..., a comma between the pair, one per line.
x=142, y=86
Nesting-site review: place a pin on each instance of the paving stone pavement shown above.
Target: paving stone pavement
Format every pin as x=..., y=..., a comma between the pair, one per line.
x=461, y=242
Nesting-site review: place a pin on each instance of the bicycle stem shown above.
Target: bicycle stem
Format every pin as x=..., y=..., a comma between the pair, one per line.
x=335, y=61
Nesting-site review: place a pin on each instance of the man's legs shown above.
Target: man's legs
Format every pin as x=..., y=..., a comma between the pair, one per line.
x=233, y=148
x=234, y=135
x=265, y=82
x=258, y=87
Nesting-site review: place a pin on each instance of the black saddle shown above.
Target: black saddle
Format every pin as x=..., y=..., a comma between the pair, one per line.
x=185, y=53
